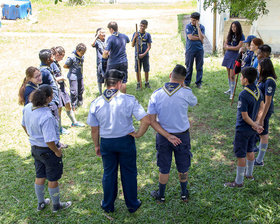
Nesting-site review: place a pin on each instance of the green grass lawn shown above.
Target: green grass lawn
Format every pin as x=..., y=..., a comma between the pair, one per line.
x=212, y=134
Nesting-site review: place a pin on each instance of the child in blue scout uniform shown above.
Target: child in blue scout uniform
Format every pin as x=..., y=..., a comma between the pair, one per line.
x=48, y=78
x=168, y=110
x=267, y=85
x=232, y=45
x=116, y=51
x=99, y=44
x=64, y=98
x=42, y=129
x=145, y=44
x=250, y=102
x=75, y=75
x=110, y=117
x=247, y=54
x=194, y=49
x=31, y=82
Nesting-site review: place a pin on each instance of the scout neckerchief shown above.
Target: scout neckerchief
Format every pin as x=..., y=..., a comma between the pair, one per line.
x=233, y=39
x=32, y=85
x=267, y=79
x=115, y=34
x=253, y=59
x=109, y=94
x=142, y=39
x=170, y=88
x=256, y=94
x=194, y=30
x=80, y=60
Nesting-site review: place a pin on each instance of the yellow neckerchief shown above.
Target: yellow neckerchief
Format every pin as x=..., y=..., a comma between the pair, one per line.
x=112, y=96
x=174, y=91
x=34, y=87
x=271, y=79
x=141, y=40
x=252, y=93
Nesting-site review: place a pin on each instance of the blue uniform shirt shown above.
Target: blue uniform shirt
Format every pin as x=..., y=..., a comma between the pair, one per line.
x=48, y=78
x=193, y=45
x=249, y=101
x=75, y=64
x=29, y=88
x=143, y=40
x=99, y=46
x=41, y=125
x=268, y=88
x=116, y=45
x=171, y=103
x=248, y=58
x=113, y=114
x=234, y=41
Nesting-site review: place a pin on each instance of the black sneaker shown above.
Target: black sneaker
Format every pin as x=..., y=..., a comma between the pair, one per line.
x=80, y=103
x=185, y=198
x=198, y=86
x=61, y=206
x=138, y=86
x=155, y=195
x=258, y=164
x=147, y=85
x=106, y=210
x=43, y=205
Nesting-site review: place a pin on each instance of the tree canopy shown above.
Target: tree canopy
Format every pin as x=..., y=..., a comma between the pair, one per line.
x=250, y=9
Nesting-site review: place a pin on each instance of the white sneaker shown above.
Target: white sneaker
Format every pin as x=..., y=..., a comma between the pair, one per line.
x=227, y=92
x=230, y=97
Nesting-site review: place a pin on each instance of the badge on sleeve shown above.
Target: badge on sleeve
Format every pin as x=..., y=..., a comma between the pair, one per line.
x=239, y=104
x=269, y=89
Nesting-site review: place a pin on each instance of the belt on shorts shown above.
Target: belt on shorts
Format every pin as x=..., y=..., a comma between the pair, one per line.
x=180, y=133
x=39, y=147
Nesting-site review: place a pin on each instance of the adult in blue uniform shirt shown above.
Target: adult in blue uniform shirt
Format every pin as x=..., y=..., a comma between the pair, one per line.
x=116, y=51
x=110, y=117
x=194, y=49
x=168, y=110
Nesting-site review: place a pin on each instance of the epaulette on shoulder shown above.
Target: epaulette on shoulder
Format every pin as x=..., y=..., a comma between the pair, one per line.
x=186, y=87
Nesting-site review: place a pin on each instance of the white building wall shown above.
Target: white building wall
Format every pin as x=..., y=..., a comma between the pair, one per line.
x=268, y=27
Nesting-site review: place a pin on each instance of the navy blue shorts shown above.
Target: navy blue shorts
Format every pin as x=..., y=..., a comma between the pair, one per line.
x=121, y=67
x=182, y=153
x=64, y=98
x=145, y=62
x=244, y=142
x=266, y=124
x=47, y=164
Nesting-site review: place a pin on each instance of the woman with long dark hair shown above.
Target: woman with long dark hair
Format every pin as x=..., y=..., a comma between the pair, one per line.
x=267, y=85
x=232, y=45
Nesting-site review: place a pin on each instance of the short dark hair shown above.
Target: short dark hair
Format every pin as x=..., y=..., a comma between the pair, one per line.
x=195, y=15
x=81, y=47
x=112, y=77
x=44, y=55
x=113, y=25
x=179, y=72
x=265, y=49
x=40, y=95
x=144, y=22
x=60, y=50
x=250, y=74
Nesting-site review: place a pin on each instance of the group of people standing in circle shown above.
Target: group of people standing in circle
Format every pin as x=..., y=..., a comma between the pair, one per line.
x=111, y=114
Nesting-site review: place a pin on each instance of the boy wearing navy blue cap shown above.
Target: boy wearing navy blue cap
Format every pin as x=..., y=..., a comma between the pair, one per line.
x=194, y=49
x=168, y=110
x=250, y=102
x=110, y=117
x=75, y=75
x=115, y=52
x=145, y=44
